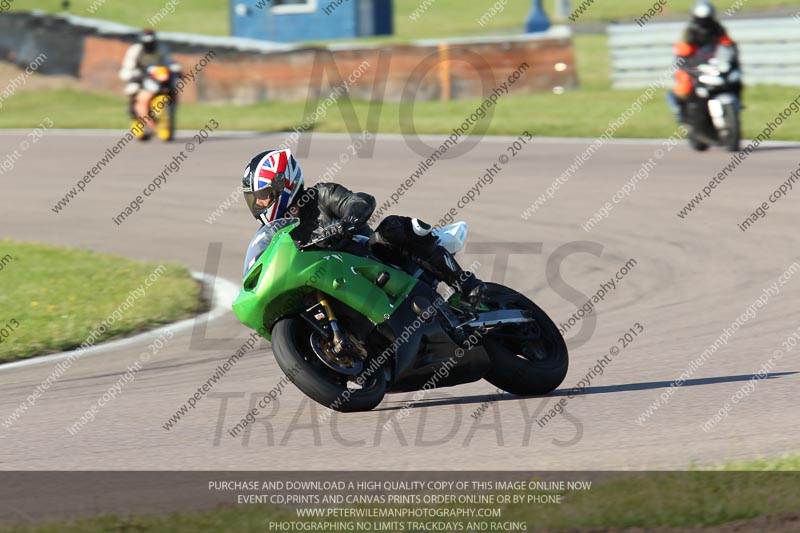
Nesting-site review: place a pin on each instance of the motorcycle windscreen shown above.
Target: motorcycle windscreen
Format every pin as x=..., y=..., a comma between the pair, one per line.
x=263, y=238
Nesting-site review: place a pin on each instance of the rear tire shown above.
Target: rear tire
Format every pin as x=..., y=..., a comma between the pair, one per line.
x=696, y=144
x=526, y=375
x=139, y=133
x=291, y=343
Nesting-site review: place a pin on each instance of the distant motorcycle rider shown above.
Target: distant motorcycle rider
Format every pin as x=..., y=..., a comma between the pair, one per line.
x=147, y=52
x=274, y=188
x=704, y=33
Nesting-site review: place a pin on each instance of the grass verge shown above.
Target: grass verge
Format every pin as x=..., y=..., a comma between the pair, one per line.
x=189, y=16
x=414, y=19
x=646, y=500
x=56, y=297
x=584, y=113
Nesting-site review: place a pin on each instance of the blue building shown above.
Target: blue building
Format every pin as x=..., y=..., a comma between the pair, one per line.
x=291, y=21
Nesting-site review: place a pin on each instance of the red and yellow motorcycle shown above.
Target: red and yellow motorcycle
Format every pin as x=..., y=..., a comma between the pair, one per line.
x=156, y=103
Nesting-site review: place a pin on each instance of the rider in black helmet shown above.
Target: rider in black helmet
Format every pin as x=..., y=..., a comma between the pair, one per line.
x=274, y=188
x=146, y=52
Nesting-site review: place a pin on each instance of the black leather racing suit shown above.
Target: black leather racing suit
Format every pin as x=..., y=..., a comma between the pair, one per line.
x=393, y=239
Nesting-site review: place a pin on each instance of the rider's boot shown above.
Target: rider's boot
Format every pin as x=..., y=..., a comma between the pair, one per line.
x=677, y=105
x=683, y=115
x=441, y=264
x=413, y=239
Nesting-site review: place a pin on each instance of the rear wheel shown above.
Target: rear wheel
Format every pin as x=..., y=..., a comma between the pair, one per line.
x=527, y=359
x=696, y=143
x=297, y=349
x=139, y=130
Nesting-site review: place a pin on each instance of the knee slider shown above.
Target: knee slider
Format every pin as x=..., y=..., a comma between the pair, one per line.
x=420, y=228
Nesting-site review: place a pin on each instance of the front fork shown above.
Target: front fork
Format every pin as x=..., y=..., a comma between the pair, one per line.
x=717, y=106
x=323, y=318
x=338, y=338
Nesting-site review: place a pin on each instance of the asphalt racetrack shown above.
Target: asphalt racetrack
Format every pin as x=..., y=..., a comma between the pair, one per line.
x=690, y=280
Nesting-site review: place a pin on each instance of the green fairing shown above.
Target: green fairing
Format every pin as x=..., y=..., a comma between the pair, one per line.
x=276, y=284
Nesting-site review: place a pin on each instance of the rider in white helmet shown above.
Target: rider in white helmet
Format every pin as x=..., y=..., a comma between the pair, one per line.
x=704, y=31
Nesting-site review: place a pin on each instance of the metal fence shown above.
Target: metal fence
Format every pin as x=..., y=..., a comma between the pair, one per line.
x=769, y=50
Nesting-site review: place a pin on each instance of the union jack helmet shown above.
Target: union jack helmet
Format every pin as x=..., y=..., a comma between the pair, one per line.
x=270, y=183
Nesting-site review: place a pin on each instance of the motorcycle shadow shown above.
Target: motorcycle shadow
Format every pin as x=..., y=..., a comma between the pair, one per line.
x=768, y=148
x=605, y=389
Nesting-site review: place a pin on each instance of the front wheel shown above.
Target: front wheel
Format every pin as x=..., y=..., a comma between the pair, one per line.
x=734, y=135
x=163, y=112
x=527, y=359
x=294, y=342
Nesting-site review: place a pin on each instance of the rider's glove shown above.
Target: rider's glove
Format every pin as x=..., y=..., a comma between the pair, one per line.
x=351, y=225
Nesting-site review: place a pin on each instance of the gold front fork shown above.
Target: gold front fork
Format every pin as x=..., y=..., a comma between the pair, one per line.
x=337, y=333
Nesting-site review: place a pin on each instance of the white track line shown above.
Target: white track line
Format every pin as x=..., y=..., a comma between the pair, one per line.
x=224, y=292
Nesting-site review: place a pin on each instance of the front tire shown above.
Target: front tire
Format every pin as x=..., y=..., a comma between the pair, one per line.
x=162, y=110
x=171, y=125
x=291, y=343
x=734, y=137
x=535, y=366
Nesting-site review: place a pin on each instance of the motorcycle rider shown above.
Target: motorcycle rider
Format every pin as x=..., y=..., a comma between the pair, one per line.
x=704, y=30
x=146, y=52
x=274, y=188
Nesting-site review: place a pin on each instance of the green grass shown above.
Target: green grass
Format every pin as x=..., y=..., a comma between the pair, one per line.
x=190, y=16
x=646, y=500
x=593, y=61
x=442, y=18
x=582, y=113
x=627, y=10
x=457, y=17
x=58, y=296
x=786, y=463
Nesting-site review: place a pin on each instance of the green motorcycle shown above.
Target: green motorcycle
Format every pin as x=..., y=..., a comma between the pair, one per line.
x=347, y=328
